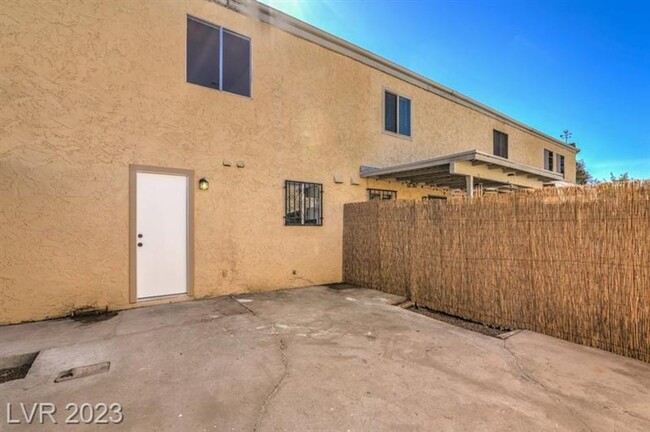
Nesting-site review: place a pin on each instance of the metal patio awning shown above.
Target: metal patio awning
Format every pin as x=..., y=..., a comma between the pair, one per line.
x=465, y=171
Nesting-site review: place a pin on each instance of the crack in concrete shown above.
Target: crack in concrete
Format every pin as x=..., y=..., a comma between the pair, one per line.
x=278, y=385
x=285, y=362
x=243, y=305
x=551, y=393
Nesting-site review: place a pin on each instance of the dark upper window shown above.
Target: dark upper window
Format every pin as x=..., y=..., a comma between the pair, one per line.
x=203, y=54
x=404, y=116
x=397, y=114
x=560, y=164
x=303, y=203
x=218, y=58
x=548, y=160
x=236, y=64
x=380, y=194
x=500, y=141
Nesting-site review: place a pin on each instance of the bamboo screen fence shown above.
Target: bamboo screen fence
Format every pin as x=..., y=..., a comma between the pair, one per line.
x=573, y=263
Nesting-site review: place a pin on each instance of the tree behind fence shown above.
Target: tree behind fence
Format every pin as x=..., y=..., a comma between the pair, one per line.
x=573, y=263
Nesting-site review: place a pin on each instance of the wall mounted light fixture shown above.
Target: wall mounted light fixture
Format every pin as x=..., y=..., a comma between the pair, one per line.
x=204, y=185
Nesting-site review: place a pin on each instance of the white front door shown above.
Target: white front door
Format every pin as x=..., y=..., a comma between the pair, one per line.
x=161, y=234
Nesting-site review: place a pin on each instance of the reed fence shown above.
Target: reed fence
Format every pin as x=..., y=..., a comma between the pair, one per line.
x=573, y=263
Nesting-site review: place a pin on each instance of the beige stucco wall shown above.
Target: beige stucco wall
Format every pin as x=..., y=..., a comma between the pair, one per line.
x=90, y=87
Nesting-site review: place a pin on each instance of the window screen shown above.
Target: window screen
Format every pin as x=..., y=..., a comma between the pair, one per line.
x=202, y=54
x=404, y=116
x=390, y=112
x=548, y=160
x=236, y=64
x=500, y=144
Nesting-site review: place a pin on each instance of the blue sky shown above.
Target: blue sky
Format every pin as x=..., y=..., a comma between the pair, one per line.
x=555, y=65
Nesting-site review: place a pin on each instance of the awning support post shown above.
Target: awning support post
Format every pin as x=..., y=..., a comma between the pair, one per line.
x=470, y=186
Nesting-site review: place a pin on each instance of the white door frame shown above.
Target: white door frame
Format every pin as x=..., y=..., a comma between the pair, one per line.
x=133, y=208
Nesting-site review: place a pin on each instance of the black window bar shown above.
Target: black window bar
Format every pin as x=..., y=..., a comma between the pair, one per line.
x=381, y=194
x=303, y=203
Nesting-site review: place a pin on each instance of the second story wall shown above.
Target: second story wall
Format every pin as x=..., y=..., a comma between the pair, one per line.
x=331, y=102
x=309, y=107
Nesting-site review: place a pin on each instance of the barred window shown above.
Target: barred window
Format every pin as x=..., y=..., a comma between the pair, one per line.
x=303, y=203
x=381, y=194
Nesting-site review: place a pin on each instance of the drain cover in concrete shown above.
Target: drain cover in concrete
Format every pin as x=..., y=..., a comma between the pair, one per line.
x=16, y=366
x=82, y=372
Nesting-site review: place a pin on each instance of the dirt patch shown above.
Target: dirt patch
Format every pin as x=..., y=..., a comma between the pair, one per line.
x=93, y=316
x=459, y=322
x=341, y=286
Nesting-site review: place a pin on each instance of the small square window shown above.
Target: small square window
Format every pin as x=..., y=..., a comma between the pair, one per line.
x=303, y=203
x=397, y=114
x=380, y=194
x=404, y=116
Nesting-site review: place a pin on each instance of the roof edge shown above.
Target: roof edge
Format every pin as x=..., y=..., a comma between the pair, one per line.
x=303, y=30
x=469, y=155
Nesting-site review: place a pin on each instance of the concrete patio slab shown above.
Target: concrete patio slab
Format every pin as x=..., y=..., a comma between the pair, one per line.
x=320, y=359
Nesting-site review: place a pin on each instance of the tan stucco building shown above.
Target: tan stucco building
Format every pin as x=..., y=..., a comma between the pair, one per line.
x=100, y=116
